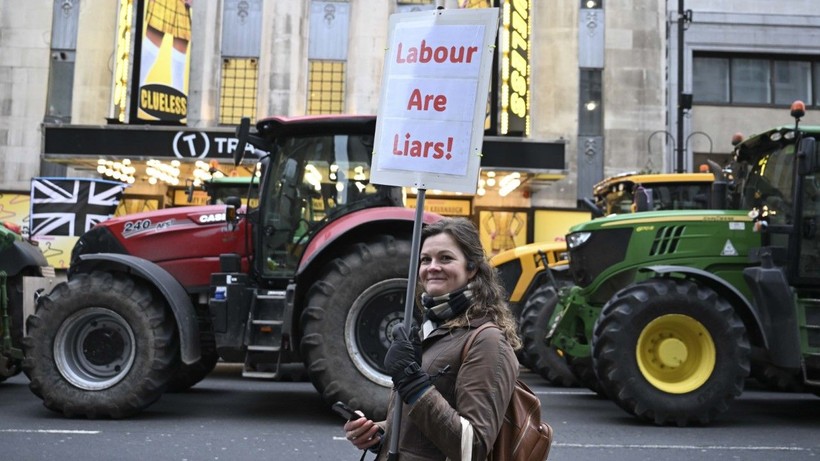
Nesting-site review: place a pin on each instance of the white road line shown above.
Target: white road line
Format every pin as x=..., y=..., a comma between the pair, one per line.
x=679, y=447
x=51, y=431
x=563, y=392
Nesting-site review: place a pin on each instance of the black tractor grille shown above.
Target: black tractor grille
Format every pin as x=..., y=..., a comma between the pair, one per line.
x=603, y=249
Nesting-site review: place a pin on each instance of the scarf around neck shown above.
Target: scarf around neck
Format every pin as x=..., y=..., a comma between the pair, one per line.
x=449, y=305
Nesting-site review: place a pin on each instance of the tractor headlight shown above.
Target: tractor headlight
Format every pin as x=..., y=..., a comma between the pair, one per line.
x=577, y=239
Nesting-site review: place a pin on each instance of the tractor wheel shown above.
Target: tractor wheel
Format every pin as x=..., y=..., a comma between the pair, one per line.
x=100, y=345
x=544, y=359
x=348, y=323
x=187, y=376
x=671, y=352
x=774, y=378
x=9, y=365
x=584, y=373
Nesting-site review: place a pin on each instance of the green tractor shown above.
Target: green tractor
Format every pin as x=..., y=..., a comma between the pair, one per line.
x=672, y=310
x=23, y=271
x=533, y=291
x=220, y=189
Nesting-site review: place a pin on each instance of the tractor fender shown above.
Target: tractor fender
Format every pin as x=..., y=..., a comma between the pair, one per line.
x=380, y=217
x=745, y=310
x=168, y=286
x=19, y=256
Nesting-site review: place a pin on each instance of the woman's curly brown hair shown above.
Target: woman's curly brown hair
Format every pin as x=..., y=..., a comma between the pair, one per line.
x=488, y=293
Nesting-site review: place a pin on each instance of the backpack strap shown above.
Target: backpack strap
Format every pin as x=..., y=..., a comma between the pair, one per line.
x=473, y=336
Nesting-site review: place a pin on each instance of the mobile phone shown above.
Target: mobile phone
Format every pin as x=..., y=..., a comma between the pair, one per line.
x=345, y=411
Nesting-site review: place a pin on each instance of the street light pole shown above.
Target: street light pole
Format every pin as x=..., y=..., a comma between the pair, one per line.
x=680, y=145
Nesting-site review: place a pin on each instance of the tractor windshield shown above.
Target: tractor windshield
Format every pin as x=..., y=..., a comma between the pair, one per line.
x=673, y=196
x=244, y=187
x=313, y=178
x=768, y=184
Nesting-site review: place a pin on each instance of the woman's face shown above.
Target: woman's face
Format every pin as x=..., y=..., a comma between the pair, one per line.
x=442, y=265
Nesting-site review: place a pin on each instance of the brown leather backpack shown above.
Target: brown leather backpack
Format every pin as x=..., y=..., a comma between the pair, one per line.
x=523, y=436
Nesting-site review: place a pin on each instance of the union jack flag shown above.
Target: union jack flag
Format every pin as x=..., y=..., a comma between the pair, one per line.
x=71, y=206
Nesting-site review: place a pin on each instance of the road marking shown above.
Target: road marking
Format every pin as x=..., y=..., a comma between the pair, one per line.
x=578, y=392
x=51, y=431
x=679, y=447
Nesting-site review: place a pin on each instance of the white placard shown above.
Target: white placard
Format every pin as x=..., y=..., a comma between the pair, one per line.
x=436, y=78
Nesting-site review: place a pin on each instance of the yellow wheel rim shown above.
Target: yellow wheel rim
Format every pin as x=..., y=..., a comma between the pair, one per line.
x=676, y=353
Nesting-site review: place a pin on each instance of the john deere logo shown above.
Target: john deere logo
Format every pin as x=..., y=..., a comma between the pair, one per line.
x=163, y=102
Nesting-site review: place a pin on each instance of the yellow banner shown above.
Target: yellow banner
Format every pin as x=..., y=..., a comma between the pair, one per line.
x=553, y=225
x=15, y=208
x=446, y=207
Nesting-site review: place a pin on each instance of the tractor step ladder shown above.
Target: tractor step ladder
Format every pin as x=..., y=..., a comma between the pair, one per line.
x=264, y=334
x=811, y=334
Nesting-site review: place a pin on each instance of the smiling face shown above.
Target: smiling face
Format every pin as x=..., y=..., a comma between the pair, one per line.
x=442, y=265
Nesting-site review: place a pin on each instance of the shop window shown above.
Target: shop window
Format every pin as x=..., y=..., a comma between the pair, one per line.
x=326, y=87
x=60, y=87
x=754, y=80
x=710, y=80
x=327, y=56
x=237, y=96
x=241, y=32
x=791, y=80
x=65, y=16
x=750, y=81
x=591, y=110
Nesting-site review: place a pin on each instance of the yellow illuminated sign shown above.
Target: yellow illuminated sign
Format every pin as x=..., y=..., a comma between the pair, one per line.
x=122, y=60
x=164, y=61
x=515, y=67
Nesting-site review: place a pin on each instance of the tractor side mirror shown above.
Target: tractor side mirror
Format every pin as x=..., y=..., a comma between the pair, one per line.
x=233, y=201
x=590, y=205
x=231, y=217
x=807, y=157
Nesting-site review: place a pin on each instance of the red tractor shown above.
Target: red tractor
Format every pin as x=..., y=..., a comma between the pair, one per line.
x=315, y=275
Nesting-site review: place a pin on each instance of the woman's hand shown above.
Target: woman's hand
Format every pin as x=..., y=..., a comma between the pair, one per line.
x=363, y=433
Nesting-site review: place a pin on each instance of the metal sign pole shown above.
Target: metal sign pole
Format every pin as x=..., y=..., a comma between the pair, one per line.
x=409, y=302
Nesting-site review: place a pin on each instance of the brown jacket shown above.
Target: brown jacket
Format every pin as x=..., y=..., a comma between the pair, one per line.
x=478, y=390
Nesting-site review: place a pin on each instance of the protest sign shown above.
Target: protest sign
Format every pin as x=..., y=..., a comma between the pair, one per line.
x=430, y=124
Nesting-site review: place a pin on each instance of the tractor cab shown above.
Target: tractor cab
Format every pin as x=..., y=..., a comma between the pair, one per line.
x=781, y=187
x=317, y=172
x=630, y=192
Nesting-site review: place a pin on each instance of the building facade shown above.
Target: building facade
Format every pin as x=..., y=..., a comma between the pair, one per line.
x=586, y=88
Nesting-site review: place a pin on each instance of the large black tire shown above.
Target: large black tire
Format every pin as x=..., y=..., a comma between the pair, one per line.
x=777, y=379
x=188, y=376
x=671, y=351
x=584, y=373
x=100, y=345
x=523, y=357
x=347, y=325
x=544, y=359
x=9, y=365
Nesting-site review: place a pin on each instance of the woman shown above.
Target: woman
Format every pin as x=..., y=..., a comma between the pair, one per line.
x=452, y=409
